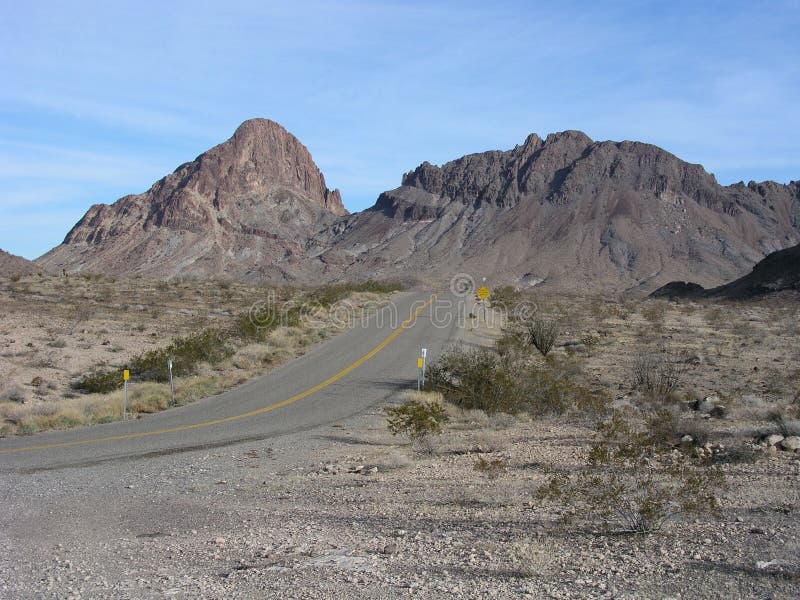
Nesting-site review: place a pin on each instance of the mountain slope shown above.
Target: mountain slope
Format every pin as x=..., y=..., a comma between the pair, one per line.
x=569, y=213
x=11, y=265
x=778, y=272
x=243, y=210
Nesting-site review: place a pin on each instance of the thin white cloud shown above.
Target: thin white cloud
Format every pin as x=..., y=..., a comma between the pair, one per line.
x=44, y=162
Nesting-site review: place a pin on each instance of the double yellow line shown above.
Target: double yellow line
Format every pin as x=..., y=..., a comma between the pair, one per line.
x=127, y=436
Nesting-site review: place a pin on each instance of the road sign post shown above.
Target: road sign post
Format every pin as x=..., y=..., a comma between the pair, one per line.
x=126, y=375
x=419, y=373
x=483, y=294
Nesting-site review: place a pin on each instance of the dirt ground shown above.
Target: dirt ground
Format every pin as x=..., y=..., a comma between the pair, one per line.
x=351, y=511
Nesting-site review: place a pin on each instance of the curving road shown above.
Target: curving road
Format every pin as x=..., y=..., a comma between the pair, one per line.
x=341, y=377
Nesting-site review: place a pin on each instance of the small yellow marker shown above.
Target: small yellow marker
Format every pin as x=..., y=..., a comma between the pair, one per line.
x=126, y=374
x=483, y=292
x=419, y=362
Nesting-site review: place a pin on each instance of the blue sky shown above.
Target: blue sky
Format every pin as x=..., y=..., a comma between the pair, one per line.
x=101, y=99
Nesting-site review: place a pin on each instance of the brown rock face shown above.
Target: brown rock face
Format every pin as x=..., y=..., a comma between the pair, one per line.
x=571, y=213
x=243, y=209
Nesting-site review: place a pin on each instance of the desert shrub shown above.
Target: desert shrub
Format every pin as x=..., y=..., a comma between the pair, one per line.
x=508, y=382
x=99, y=382
x=148, y=397
x=26, y=428
x=196, y=389
x=785, y=425
x=63, y=419
x=492, y=467
x=327, y=295
x=634, y=480
x=416, y=419
x=186, y=352
x=514, y=340
x=543, y=333
x=13, y=394
x=479, y=378
x=656, y=373
x=654, y=312
x=252, y=327
x=506, y=297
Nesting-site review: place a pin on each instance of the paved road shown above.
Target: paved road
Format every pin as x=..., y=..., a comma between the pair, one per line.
x=344, y=376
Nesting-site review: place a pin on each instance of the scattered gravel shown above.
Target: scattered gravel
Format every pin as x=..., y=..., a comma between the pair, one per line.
x=349, y=512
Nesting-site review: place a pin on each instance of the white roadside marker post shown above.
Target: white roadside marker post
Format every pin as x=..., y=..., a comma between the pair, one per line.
x=171, y=384
x=419, y=373
x=424, y=360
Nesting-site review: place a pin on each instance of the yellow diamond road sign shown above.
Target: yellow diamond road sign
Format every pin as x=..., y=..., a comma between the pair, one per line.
x=483, y=292
x=126, y=374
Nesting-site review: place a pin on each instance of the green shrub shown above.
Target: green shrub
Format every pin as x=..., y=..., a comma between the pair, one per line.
x=508, y=382
x=416, y=419
x=99, y=382
x=476, y=379
x=186, y=352
x=327, y=295
x=255, y=327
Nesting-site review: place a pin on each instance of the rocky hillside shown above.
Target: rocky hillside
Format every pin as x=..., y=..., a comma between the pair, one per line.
x=11, y=265
x=570, y=213
x=778, y=272
x=242, y=210
x=564, y=212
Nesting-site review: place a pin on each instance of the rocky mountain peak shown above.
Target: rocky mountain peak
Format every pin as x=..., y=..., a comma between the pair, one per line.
x=571, y=137
x=258, y=194
x=260, y=155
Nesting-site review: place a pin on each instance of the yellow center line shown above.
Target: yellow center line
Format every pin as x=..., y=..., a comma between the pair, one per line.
x=127, y=436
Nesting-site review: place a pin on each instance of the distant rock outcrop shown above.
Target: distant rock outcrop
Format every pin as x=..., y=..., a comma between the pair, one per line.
x=242, y=210
x=12, y=265
x=679, y=289
x=569, y=213
x=778, y=272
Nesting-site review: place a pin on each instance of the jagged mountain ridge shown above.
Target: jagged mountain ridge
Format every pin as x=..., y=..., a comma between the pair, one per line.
x=570, y=213
x=564, y=212
x=241, y=210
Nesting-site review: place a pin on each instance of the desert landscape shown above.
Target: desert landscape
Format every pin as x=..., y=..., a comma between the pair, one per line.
x=356, y=511
x=343, y=300
x=638, y=437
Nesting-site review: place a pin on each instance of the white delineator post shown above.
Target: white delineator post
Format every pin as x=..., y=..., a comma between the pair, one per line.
x=171, y=384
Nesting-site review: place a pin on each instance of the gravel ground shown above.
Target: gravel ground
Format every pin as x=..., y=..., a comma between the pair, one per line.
x=348, y=511
x=313, y=518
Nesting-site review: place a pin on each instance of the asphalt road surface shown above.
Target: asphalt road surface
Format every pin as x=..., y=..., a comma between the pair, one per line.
x=344, y=376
